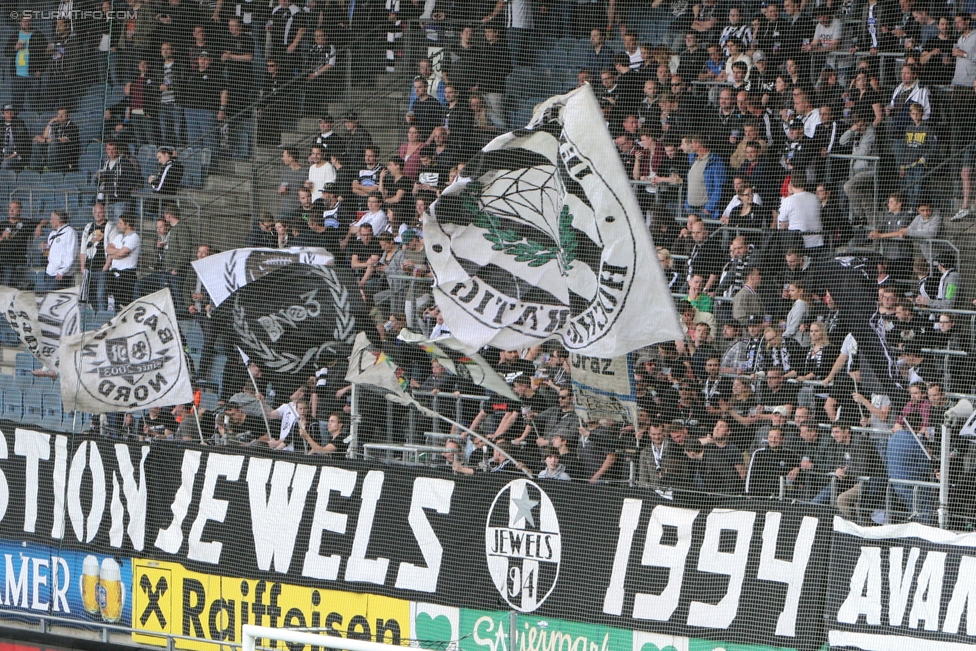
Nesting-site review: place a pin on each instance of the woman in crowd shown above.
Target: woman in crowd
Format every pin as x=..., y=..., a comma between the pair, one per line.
x=410, y=153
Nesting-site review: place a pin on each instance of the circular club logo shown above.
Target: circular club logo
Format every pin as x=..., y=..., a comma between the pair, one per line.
x=134, y=361
x=522, y=544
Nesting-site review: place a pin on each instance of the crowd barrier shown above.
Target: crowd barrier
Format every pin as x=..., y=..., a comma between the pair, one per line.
x=180, y=546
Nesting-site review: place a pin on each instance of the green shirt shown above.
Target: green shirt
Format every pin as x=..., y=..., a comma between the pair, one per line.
x=703, y=303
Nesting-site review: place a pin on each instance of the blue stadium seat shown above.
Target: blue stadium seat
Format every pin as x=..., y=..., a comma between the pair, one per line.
x=89, y=163
x=8, y=181
x=24, y=363
x=33, y=122
x=52, y=415
x=28, y=178
x=102, y=317
x=7, y=381
x=91, y=104
x=77, y=179
x=72, y=425
x=53, y=179
x=43, y=384
x=89, y=125
x=147, y=160
x=208, y=401
x=13, y=405
x=7, y=335
x=33, y=411
x=192, y=173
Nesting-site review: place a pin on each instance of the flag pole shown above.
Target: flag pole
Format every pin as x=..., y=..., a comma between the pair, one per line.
x=410, y=402
x=196, y=417
x=254, y=383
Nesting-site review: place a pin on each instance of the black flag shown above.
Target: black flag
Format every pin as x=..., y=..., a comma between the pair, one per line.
x=296, y=320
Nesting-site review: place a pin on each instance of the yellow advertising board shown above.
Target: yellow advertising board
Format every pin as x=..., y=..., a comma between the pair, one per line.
x=168, y=598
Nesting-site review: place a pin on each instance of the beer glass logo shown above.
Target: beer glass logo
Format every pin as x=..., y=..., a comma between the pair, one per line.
x=111, y=592
x=89, y=584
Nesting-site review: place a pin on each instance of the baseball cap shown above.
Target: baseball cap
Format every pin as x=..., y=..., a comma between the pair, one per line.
x=8, y=107
x=781, y=410
x=408, y=236
x=326, y=118
x=758, y=55
x=203, y=54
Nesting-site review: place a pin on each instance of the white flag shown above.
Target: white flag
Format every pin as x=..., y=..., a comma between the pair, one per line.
x=545, y=239
x=42, y=320
x=604, y=388
x=224, y=273
x=462, y=361
x=374, y=368
x=134, y=361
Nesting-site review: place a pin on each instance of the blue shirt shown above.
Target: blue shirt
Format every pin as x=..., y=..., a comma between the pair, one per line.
x=23, y=56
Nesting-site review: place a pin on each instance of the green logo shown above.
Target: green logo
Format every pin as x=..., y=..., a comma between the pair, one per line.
x=432, y=632
x=649, y=646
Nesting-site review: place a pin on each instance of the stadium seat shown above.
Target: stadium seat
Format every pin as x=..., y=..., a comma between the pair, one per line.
x=77, y=179
x=52, y=415
x=43, y=384
x=8, y=181
x=27, y=179
x=101, y=318
x=71, y=424
x=147, y=160
x=33, y=122
x=7, y=381
x=91, y=104
x=192, y=173
x=13, y=405
x=89, y=126
x=208, y=401
x=7, y=335
x=33, y=410
x=52, y=179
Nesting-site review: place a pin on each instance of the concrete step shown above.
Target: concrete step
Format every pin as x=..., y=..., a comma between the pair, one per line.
x=228, y=183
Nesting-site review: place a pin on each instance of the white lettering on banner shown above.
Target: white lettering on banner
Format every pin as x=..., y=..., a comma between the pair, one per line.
x=4, y=487
x=15, y=588
x=34, y=447
x=656, y=554
x=963, y=596
x=58, y=485
x=37, y=578
x=211, y=508
x=171, y=539
x=928, y=592
x=275, y=518
x=791, y=572
x=136, y=498
x=866, y=574
x=900, y=583
x=613, y=599
x=358, y=567
x=427, y=494
x=75, y=475
x=711, y=559
x=343, y=482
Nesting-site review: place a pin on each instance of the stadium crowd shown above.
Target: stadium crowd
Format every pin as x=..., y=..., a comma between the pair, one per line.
x=729, y=118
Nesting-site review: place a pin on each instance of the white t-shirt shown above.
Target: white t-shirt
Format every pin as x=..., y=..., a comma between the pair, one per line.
x=133, y=242
x=378, y=220
x=802, y=212
x=289, y=418
x=319, y=176
x=735, y=202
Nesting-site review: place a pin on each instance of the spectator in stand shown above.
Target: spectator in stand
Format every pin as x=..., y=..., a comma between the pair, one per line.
x=706, y=179
x=460, y=63
x=142, y=111
x=63, y=145
x=723, y=471
x=458, y=121
x=908, y=459
x=769, y=464
x=61, y=249
x=919, y=149
x=166, y=182
x=122, y=259
x=321, y=82
x=205, y=103
x=426, y=112
x=25, y=52
x=410, y=153
x=331, y=141
x=800, y=211
x=274, y=106
x=16, y=152
x=596, y=452
x=94, y=237
x=117, y=180
x=944, y=295
x=171, y=91
x=368, y=180
x=320, y=172
x=262, y=234
x=496, y=66
x=293, y=178
x=358, y=139
x=286, y=30
x=747, y=304
x=237, y=57
x=200, y=308
x=964, y=105
x=892, y=228
x=15, y=242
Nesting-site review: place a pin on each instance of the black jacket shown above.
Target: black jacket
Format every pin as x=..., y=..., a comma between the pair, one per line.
x=168, y=178
x=21, y=142
x=39, y=57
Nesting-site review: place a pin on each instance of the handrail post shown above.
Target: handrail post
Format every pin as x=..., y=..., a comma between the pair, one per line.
x=944, y=479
